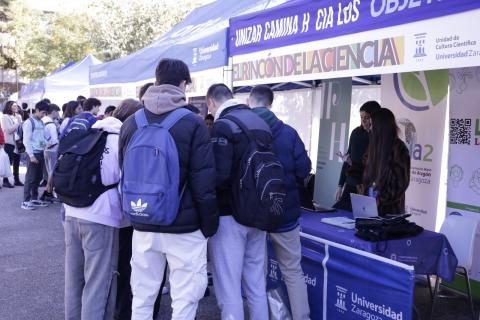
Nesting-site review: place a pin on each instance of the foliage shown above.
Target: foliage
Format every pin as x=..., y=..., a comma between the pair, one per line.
x=124, y=27
x=109, y=29
x=45, y=41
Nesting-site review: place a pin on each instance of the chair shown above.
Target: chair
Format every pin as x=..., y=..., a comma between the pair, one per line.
x=460, y=232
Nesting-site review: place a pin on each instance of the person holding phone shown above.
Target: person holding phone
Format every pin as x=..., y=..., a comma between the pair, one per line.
x=353, y=165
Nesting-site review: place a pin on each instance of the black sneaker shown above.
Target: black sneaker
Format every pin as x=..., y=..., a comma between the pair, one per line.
x=18, y=183
x=7, y=185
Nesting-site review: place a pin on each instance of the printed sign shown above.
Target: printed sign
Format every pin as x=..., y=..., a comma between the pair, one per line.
x=463, y=172
x=305, y=21
x=416, y=46
x=340, y=287
x=334, y=124
x=418, y=100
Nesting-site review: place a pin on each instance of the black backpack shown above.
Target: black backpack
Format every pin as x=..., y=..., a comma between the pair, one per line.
x=77, y=175
x=258, y=190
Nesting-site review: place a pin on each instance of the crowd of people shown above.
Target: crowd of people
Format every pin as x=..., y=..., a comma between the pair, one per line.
x=170, y=189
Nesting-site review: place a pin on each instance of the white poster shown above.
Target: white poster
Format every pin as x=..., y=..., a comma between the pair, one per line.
x=464, y=154
x=419, y=102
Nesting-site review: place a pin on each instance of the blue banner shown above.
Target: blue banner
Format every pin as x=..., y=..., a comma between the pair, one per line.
x=350, y=284
x=306, y=20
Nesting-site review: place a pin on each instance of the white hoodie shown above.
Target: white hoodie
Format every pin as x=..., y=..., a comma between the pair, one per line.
x=107, y=209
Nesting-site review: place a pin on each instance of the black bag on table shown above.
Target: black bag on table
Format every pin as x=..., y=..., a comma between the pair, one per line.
x=381, y=229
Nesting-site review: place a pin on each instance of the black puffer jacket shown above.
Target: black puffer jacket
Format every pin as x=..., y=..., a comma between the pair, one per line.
x=230, y=144
x=198, y=209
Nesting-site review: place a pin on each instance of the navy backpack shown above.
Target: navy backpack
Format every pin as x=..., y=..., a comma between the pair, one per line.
x=151, y=172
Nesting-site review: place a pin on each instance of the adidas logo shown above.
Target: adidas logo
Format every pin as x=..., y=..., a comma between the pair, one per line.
x=138, y=208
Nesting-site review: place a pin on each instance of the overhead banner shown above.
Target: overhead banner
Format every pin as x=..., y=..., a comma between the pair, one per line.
x=424, y=45
x=334, y=124
x=419, y=102
x=463, y=159
x=306, y=21
x=340, y=287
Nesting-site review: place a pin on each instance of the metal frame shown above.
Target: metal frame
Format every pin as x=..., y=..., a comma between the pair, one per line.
x=437, y=289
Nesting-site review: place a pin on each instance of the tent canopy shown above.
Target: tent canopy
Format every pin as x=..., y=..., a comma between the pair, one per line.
x=200, y=40
x=67, y=83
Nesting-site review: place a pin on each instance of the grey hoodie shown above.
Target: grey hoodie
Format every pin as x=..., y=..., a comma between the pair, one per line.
x=164, y=98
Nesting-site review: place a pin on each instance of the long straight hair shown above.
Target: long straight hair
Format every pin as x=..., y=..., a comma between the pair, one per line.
x=70, y=109
x=383, y=135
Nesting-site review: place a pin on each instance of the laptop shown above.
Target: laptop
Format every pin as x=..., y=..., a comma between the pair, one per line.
x=363, y=206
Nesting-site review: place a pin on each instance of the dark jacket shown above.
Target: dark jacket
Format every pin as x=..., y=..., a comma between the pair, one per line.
x=229, y=146
x=357, y=147
x=291, y=153
x=391, y=193
x=198, y=208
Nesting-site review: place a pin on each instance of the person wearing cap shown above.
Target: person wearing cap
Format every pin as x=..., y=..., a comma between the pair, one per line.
x=353, y=165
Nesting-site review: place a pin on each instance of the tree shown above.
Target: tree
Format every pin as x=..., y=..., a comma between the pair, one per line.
x=122, y=27
x=7, y=42
x=110, y=29
x=45, y=41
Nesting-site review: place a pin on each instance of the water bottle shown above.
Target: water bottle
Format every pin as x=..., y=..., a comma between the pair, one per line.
x=372, y=191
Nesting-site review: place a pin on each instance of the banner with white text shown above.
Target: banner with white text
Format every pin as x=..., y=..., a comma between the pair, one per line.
x=340, y=287
x=420, y=45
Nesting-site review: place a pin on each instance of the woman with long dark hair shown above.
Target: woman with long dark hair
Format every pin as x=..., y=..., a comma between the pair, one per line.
x=72, y=109
x=352, y=170
x=11, y=120
x=388, y=164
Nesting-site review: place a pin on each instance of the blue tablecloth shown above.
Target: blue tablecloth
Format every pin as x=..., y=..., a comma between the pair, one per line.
x=429, y=252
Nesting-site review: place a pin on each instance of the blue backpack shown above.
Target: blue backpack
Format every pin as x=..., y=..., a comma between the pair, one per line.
x=151, y=172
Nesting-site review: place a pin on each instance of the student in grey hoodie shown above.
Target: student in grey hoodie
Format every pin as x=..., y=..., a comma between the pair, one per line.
x=184, y=242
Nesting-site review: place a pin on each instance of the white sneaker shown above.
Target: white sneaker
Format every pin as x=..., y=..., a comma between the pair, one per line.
x=27, y=205
x=39, y=203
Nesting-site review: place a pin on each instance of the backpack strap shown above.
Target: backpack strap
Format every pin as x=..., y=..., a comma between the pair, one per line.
x=167, y=123
x=32, y=122
x=174, y=117
x=141, y=118
x=242, y=126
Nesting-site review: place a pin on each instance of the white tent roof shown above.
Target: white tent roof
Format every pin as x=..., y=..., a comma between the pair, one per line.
x=61, y=86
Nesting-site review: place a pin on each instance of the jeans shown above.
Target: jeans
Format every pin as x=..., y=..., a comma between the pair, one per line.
x=237, y=254
x=90, y=270
x=33, y=177
x=14, y=160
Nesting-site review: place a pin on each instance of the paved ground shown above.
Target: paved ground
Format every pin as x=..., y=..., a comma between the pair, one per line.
x=32, y=269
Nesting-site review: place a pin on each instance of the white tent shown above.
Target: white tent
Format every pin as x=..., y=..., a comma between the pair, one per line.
x=61, y=86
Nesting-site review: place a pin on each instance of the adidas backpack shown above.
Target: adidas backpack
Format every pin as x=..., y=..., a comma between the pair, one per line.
x=77, y=175
x=151, y=172
x=258, y=190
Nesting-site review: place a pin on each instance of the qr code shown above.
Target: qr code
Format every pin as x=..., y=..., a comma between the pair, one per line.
x=460, y=131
